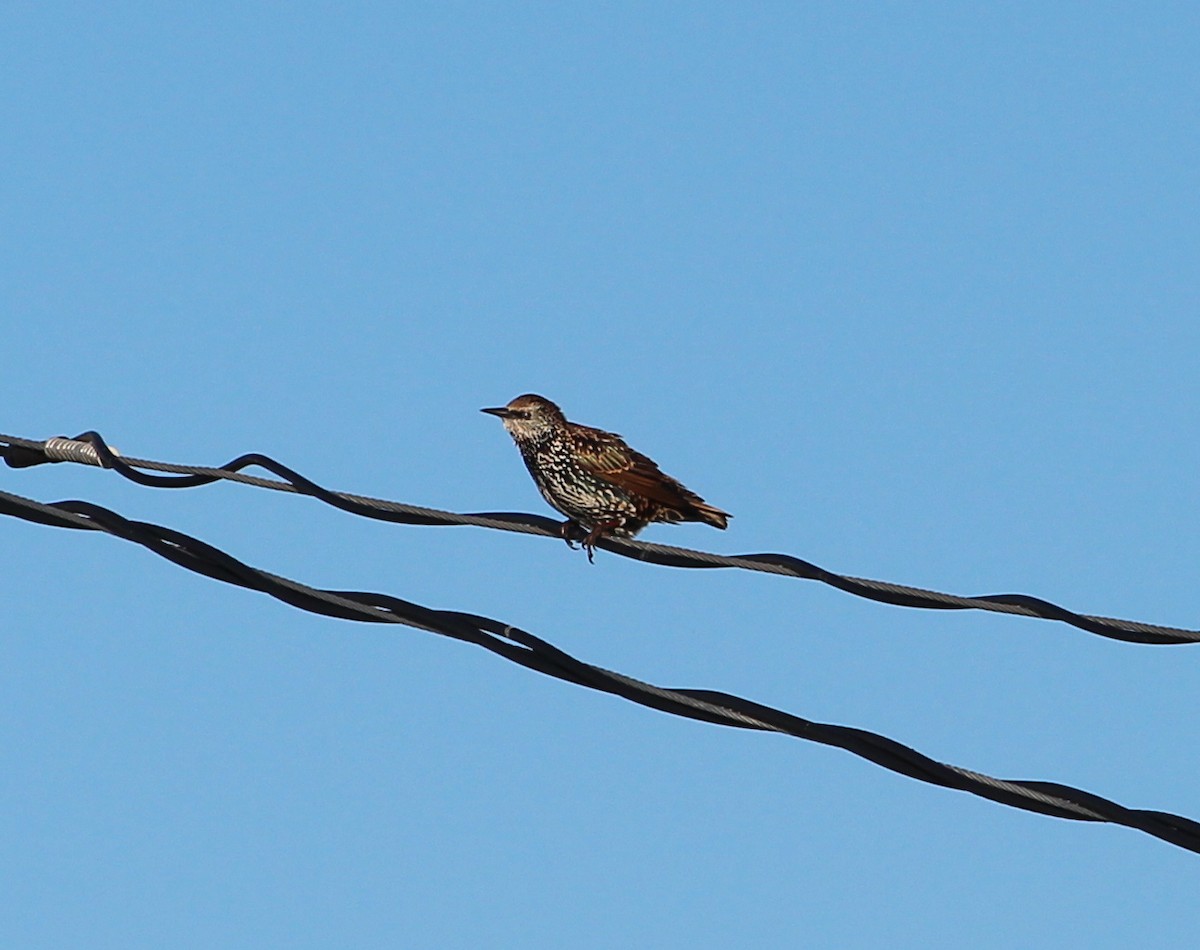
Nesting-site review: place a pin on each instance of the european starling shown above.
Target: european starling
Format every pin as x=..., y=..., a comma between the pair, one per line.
x=602, y=485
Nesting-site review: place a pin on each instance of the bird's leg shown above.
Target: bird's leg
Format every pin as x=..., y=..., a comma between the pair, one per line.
x=569, y=530
x=600, y=530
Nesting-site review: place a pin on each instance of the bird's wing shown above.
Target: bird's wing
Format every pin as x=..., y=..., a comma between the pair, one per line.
x=606, y=454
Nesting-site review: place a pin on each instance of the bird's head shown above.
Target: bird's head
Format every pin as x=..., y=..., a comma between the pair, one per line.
x=529, y=416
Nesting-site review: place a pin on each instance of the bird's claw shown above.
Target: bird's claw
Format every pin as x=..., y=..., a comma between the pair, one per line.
x=572, y=531
x=598, y=532
x=566, y=530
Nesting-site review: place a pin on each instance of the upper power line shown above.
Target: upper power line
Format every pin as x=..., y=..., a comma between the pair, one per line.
x=91, y=449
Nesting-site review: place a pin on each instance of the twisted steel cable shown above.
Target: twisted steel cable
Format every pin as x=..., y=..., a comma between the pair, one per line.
x=90, y=448
x=525, y=649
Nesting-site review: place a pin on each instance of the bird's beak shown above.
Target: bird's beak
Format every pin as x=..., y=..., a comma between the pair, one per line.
x=501, y=411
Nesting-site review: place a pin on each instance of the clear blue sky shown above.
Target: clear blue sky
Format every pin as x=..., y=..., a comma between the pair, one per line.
x=911, y=290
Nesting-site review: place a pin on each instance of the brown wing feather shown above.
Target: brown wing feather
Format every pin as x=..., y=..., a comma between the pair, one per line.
x=607, y=455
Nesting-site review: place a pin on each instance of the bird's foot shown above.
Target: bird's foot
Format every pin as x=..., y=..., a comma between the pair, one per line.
x=599, y=531
x=571, y=531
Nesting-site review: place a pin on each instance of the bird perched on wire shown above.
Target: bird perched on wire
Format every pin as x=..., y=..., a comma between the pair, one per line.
x=604, y=487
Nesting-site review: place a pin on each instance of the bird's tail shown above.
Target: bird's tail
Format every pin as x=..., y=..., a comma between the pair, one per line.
x=710, y=514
